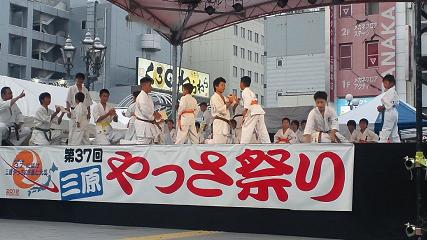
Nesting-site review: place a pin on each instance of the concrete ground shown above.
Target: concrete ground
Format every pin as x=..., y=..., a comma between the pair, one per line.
x=23, y=230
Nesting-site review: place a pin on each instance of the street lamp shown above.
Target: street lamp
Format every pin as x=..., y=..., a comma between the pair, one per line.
x=94, y=57
x=68, y=52
x=351, y=101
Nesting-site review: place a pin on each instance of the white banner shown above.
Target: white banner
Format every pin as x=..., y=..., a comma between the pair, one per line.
x=298, y=177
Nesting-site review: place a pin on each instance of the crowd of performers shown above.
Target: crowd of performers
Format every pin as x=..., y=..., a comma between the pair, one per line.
x=230, y=120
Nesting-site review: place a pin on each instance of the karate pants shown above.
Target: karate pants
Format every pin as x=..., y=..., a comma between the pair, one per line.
x=188, y=132
x=24, y=133
x=326, y=138
x=130, y=134
x=3, y=132
x=390, y=129
x=107, y=136
x=220, y=138
x=79, y=137
x=251, y=124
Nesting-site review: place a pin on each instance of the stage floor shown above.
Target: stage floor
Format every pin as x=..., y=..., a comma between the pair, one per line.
x=23, y=230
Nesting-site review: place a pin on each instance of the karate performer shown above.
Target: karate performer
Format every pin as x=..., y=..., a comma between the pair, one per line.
x=300, y=131
x=146, y=127
x=103, y=114
x=187, y=111
x=286, y=134
x=365, y=135
x=71, y=102
x=294, y=126
x=42, y=133
x=170, y=132
x=11, y=118
x=237, y=113
x=200, y=134
x=205, y=119
x=351, y=125
x=220, y=113
x=130, y=113
x=253, y=115
x=390, y=101
x=322, y=122
x=56, y=129
x=232, y=137
x=80, y=130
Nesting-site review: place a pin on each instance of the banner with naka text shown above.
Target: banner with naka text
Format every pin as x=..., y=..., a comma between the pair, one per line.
x=298, y=177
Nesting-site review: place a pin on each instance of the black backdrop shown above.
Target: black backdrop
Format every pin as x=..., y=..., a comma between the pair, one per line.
x=383, y=200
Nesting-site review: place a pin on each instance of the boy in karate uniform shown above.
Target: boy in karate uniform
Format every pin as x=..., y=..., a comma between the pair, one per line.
x=300, y=131
x=220, y=113
x=146, y=127
x=390, y=101
x=42, y=134
x=253, y=115
x=365, y=135
x=103, y=114
x=130, y=113
x=286, y=134
x=80, y=129
x=322, y=122
x=351, y=125
x=187, y=111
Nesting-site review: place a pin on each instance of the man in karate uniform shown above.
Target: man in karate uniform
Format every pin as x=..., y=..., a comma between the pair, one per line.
x=390, y=100
x=71, y=100
x=322, y=122
x=42, y=133
x=187, y=111
x=220, y=112
x=130, y=113
x=205, y=118
x=146, y=127
x=253, y=115
x=103, y=114
x=286, y=134
x=352, y=131
x=365, y=135
x=11, y=118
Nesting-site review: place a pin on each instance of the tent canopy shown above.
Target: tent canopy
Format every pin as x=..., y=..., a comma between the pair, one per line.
x=183, y=20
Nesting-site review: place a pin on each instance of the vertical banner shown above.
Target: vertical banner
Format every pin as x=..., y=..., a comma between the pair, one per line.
x=298, y=177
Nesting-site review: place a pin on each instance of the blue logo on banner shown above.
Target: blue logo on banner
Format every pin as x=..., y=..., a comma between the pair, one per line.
x=81, y=183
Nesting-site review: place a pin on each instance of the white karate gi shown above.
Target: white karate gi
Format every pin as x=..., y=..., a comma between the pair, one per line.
x=205, y=120
x=237, y=115
x=130, y=134
x=80, y=135
x=105, y=134
x=56, y=130
x=42, y=120
x=187, y=130
x=146, y=132
x=351, y=137
x=221, y=129
x=316, y=124
x=254, y=119
x=71, y=99
x=367, y=136
x=9, y=116
x=390, y=101
x=300, y=136
x=288, y=136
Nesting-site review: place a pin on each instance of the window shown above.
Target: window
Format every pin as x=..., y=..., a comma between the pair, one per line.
x=250, y=74
x=279, y=63
x=256, y=57
x=262, y=59
x=242, y=53
x=235, y=50
x=84, y=24
x=242, y=72
x=234, y=71
x=249, y=55
x=345, y=56
x=242, y=32
x=262, y=40
x=371, y=8
x=16, y=71
x=17, y=45
x=256, y=95
x=256, y=77
x=256, y=38
x=250, y=35
x=372, y=56
x=262, y=78
x=262, y=100
x=236, y=30
x=345, y=11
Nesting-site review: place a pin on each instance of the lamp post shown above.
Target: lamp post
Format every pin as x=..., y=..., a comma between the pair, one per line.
x=94, y=58
x=68, y=52
x=351, y=101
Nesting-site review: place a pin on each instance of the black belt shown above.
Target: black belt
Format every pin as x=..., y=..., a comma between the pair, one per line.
x=222, y=119
x=149, y=121
x=45, y=131
x=238, y=115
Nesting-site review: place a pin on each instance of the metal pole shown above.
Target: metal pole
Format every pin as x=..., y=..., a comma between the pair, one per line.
x=87, y=71
x=418, y=104
x=174, y=80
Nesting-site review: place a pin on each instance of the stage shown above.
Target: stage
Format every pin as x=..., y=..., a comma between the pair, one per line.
x=382, y=198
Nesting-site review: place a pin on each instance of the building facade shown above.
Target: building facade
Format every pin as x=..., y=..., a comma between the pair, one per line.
x=31, y=36
x=231, y=53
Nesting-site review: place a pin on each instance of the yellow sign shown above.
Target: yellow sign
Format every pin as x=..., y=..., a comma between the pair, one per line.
x=163, y=75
